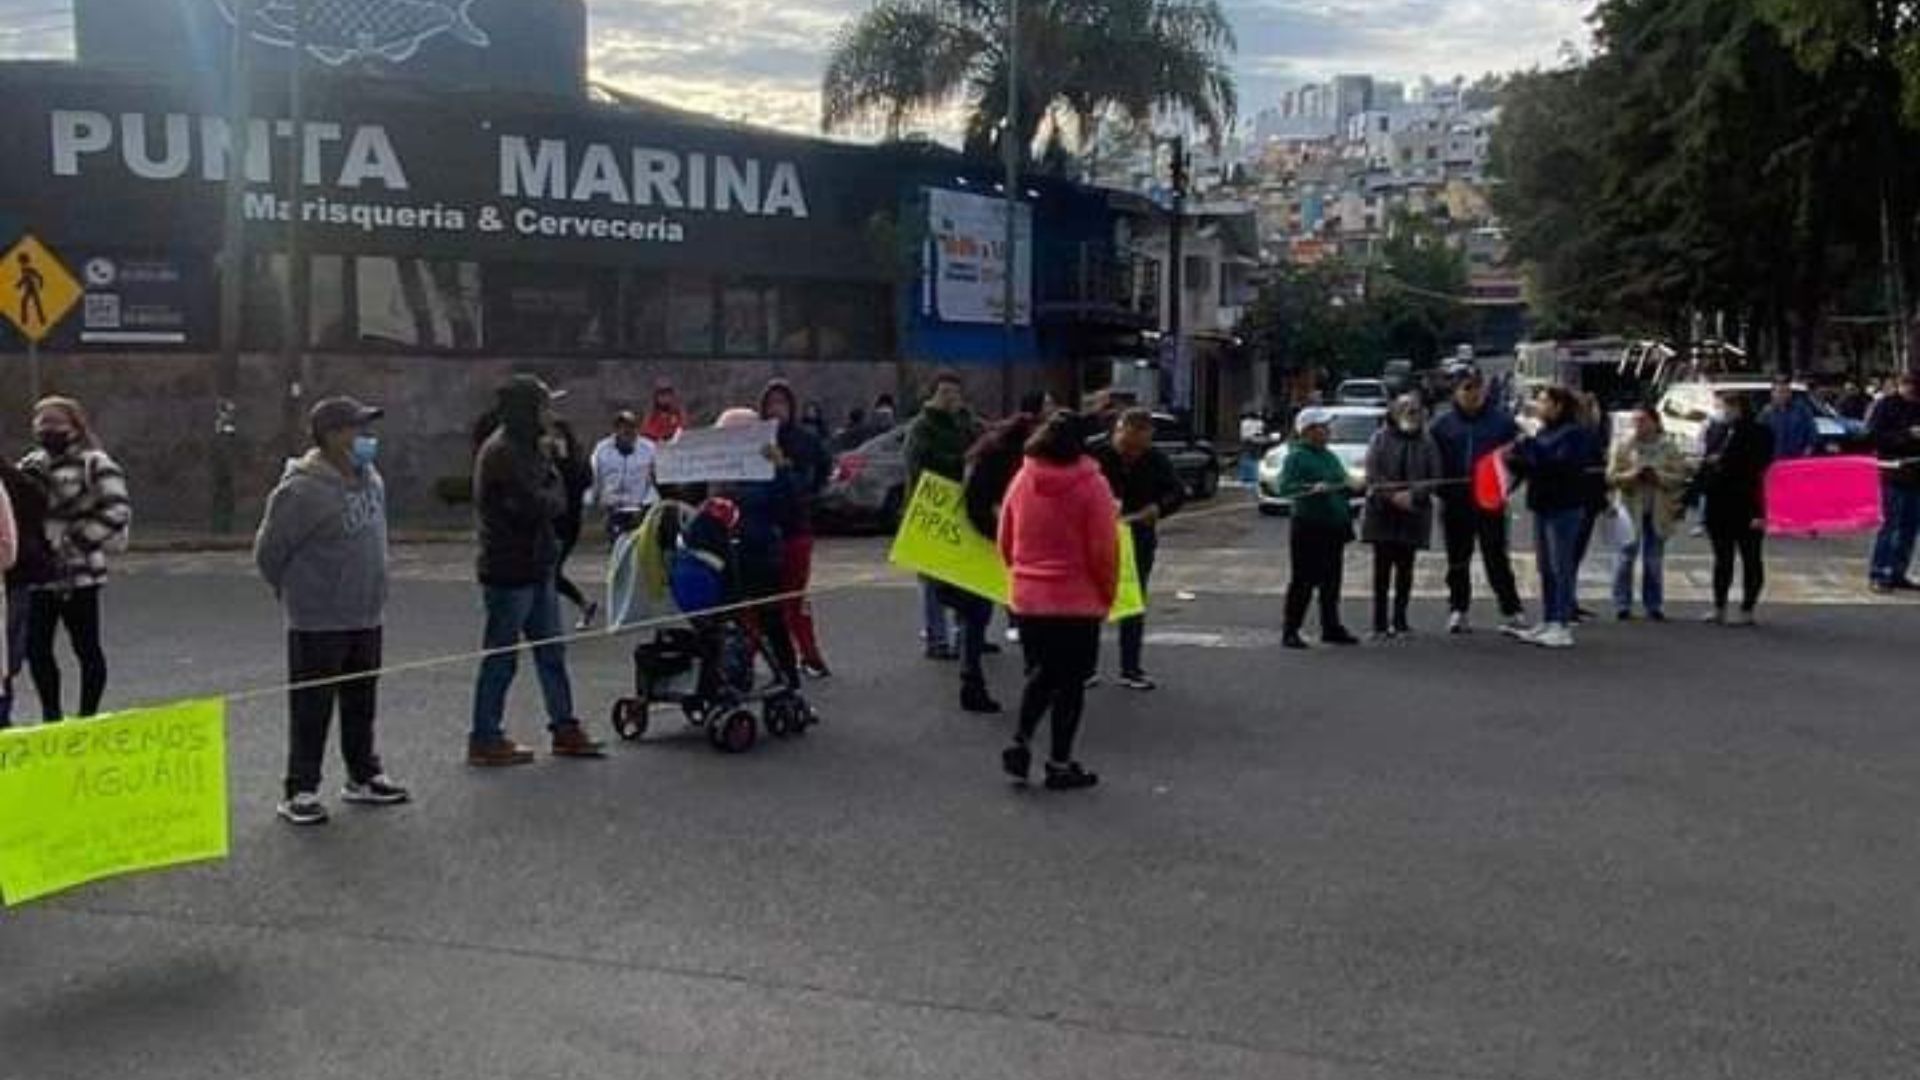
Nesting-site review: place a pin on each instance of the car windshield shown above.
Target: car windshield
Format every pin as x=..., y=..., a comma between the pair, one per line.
x=1353, y=429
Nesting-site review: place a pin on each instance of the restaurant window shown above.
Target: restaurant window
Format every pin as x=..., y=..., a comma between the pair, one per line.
x=690, y=315
x=549, y=309
x=418, y=303
x=743, y=319
x=329, y=292
x=851, y=321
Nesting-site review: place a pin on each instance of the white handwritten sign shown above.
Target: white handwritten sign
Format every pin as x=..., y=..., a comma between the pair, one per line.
x=718, y=455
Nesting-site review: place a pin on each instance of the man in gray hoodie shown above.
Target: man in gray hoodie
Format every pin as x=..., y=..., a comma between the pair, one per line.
x=322, y=547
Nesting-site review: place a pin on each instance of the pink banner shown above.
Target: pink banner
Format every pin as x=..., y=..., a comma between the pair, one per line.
x=1823, y=495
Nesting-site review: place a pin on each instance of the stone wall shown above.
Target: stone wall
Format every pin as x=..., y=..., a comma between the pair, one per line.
x=155, y=412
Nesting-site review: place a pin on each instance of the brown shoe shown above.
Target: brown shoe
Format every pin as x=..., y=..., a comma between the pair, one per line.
x=497, y=755
x=572, y=741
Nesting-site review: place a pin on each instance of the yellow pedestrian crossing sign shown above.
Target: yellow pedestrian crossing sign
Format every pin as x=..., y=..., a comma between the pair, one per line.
x=39, y=290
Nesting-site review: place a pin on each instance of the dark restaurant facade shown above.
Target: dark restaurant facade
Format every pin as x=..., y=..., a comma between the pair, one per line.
x=454, y=233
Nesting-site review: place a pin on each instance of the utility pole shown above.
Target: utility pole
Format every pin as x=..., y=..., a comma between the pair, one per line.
x=1010, y=156
x=293, y=336
x=1176, y=267
x=233, y=270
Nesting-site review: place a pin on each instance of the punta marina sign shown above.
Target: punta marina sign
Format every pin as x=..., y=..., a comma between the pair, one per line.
x=358, y=176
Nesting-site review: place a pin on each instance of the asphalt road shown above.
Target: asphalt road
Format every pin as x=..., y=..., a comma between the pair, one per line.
x=1676, y=852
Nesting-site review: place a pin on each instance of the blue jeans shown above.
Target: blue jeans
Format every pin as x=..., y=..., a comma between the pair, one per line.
x=933, y=615
x=19, y=605
x=1556, y=547
x=1893, y=550
x=1651, y=549
x=530, y=613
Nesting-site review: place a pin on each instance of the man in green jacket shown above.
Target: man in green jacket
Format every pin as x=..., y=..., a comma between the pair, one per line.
x=1321, y=491
x=937, y=442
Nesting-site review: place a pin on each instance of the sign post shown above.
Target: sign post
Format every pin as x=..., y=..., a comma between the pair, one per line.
x=41, y=292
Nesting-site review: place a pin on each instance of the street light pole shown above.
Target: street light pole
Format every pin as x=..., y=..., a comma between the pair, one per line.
x=1010, y=155
x=293, y=338
x=1181, y=382
x=233, y=270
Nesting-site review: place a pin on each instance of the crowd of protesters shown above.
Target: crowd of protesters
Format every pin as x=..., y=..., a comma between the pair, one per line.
x=1056, y=491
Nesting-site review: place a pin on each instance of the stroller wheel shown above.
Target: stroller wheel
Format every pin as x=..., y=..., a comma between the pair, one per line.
x=776, y=720
x=630, y=718
x=738, y=732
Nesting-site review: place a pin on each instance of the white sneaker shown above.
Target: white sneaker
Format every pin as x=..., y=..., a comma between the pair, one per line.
x=1518, y=627
x=382, y=790
x=1554, y=636
x=1458, y=623
x=304, y=808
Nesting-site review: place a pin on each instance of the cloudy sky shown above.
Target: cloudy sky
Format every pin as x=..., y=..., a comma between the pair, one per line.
x=761, y=60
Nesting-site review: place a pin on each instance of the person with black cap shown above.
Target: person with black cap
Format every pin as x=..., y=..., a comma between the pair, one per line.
x=519, y=498
x=322, y=548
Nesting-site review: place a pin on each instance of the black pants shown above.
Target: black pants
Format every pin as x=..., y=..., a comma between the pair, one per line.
x=1061, y=655
x=331, y=654
x=79, y=610
x=1466, y=526
x=1317, y=552
x=1392, y=574
x=569, y=539
x=974, y=614
x=760, y=578
x=1745, y=540
x=1133, y=632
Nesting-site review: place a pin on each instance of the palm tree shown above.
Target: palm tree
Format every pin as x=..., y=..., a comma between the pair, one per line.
x=1080, y=60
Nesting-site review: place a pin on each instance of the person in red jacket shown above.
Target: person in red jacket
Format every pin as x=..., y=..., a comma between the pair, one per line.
x=1060, y=539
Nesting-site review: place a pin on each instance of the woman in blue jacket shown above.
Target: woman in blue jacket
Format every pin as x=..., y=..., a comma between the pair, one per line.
x=1555, y=464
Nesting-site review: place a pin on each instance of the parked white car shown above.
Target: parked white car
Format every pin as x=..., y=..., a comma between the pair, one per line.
x=1362, y=392
x=1686, y=410
x=1348, y=437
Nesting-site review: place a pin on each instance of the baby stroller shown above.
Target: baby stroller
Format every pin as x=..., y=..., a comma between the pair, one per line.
x=681, y=560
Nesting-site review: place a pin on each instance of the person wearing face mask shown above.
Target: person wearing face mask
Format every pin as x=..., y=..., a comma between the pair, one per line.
x=623, y=486
x=1320, y=489
x=88, y=515
x=322, y=549
x=1402, y=465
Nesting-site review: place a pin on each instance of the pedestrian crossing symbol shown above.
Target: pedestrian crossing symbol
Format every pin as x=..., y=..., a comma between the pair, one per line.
x=39, y=290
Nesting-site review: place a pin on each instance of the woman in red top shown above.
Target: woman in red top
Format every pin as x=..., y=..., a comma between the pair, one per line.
x=1060, y=539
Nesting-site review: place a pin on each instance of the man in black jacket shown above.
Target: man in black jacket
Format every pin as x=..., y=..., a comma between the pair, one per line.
x=519, y=498
x=1149, y=492
x=1895, y=430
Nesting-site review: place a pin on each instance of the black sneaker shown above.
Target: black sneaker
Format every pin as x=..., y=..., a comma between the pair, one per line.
x=1138, y=680
x=1656, y=616
x=379, y=791
x=1905, y=585
x=1623, y=615
x=1338, y=636
x=1017, y=760
x=303, y=808
x=1294, y=641
x=1069, y=777
x=1882, y=588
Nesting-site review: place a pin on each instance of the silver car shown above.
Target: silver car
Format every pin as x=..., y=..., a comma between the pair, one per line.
x=868, y=488
x=1348, y=437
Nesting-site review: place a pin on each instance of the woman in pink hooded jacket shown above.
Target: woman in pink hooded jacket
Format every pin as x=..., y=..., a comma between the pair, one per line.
x=1060, y=539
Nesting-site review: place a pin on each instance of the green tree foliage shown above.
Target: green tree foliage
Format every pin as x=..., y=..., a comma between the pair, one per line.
x=1700, y=162
x=1080, y=60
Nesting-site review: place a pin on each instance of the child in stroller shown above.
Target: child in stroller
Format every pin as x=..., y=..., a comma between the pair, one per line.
x=689, y=558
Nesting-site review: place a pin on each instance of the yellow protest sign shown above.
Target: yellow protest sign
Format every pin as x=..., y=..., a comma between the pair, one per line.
x=937, y=540
x=40, y=290
x=90, y=799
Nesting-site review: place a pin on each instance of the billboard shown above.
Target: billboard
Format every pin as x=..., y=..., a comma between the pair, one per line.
x=453, y=42
x=113, y=163
x=967, y=270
